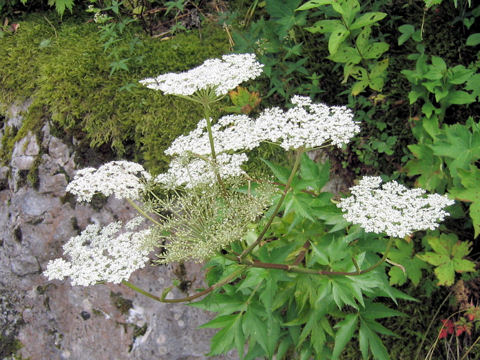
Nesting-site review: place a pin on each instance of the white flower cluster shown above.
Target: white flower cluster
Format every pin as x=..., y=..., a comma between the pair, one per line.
x=191, y=173
x=307, y=125
x=393, y=209
x=230, y=133
x=102, y=254
x=124, y=179
x=221, y=74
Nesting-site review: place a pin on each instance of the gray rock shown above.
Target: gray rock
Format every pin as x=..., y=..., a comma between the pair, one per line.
x=82, y=323
x=28, y=146
x=15, y=113
x=59, y=152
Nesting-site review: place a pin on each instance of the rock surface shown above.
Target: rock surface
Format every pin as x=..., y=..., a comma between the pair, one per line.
x=54, y=320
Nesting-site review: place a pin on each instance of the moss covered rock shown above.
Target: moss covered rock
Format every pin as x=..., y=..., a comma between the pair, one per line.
x=64, y=69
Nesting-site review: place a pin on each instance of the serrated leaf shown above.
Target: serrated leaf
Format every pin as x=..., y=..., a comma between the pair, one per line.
x=367, y=19
x=448, y=257
x=62, y=5
x=280, y=172
x=445, y=274
x=346, y=328
x=412, y=266
x=375, y=310
x=308, y=168
x=376, y=346
x=223, y=340
x=320, y=256
x=254, y=327
x=428, y=166
x=219, y=322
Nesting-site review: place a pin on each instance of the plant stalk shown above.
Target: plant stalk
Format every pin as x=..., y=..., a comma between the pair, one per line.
x=277, y=208
x=162, y=299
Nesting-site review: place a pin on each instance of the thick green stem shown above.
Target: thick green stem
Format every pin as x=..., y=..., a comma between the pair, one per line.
x=277, y=208
x=143, y=213
x=228, y=279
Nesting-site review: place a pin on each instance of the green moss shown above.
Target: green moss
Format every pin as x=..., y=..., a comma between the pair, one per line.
x=122, y=304
x=9, y=345
x=69, y=82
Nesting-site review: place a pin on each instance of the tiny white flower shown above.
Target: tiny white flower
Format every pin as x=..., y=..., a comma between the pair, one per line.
x=306, y=125
x=393, y=209
x=193, y=172
x=102, y=254
x=124, y=179
x=222, y=75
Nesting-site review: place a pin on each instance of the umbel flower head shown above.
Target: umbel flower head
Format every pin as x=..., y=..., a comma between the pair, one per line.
x=393, y=209
x=102, y=254
x=223, y=75
x=191, y=172
x=124, y=179
x=306, y=125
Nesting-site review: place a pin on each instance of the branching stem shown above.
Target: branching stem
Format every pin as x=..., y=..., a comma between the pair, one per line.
x=208, y=290
x=277, y=208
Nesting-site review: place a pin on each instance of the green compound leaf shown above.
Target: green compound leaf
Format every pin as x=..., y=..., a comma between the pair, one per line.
x=344, y=334
x=428, y=166
x=407, y=266
x=280, y=172
x=460, y=146
x=471, y=181
x=447, y=257
x=368, y=339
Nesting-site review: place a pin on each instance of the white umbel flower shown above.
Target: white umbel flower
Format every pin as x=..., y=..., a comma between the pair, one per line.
x=124, y=179
x=102, y=254
x=191, y=173
x=230, y=133
x=393, y=209
x=222, y=75
x=306, y=125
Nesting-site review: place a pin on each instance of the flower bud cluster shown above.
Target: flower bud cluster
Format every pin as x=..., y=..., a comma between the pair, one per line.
x=221, y=74
x=393, y=209
x=124, y=179
x=102, y=254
